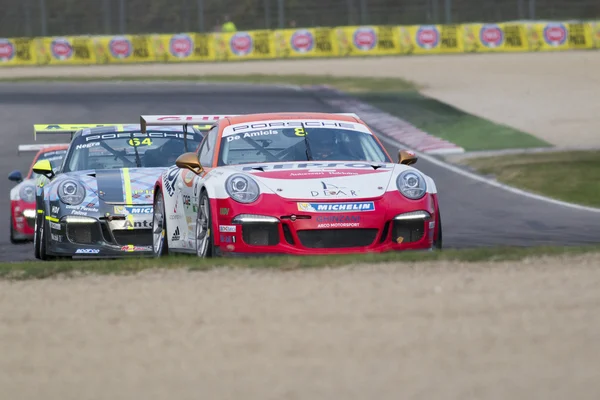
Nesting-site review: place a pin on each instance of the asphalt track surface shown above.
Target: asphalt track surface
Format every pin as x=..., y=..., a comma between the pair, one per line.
x=473, y=213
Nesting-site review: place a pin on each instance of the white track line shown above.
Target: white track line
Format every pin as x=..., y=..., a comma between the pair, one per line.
x=488, y=181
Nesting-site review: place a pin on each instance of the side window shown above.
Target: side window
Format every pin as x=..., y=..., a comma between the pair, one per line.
x=208, y=146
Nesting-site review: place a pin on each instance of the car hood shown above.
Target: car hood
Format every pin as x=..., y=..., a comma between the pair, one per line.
x=334, y=181
x=117, y=186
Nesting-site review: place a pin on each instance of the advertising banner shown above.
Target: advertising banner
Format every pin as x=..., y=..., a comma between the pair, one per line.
x=595, y=32
x=123, y=49
x=367, y=40
x=548, y=36
x=313, y=42
x=184, y=47
x=66, y=50
x=17, y=51
x=481, y=38
x=251, y=45
x=431, y=39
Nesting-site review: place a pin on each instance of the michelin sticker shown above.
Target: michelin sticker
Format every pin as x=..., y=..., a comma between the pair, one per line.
x=336, y=207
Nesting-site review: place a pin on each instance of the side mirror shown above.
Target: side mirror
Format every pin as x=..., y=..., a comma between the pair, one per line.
x=43, y=167
x=15, y=176
x=407, y=157
x=189, y=161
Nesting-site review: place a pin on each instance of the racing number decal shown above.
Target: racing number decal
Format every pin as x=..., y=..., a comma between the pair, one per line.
x=136, y=142
x=299, y=132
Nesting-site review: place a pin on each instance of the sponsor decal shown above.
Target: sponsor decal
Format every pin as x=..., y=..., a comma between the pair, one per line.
x=137, y=224
x=223, y=211
x=133, y=210
x=252, y=134
x=120, y=47
x=56, y=238
x=337, y=207
x=188, y=178
x=302, y=41
x=241, y=44
x=161, y=135
x=239, y=128
x=399, y=239
x=176, y=234
x=87, y=251
x=7, y=50
x=330, y=190
x=175, y=216
x=87, y=145
x=227, y=228
x=431, y=224
x=365, y=38
x=338, y=221
x=181, y=46
x=77, y=212
x=82, y=208
x=54, y=225
x=171, y=177
x=317, y=173
x=491, y=35
x=227, y=239
x=334, y=168
x=61, y=49
x=187, y=200
x=555, y=34
x=132, y=248
x=147, y=193
x=428, y=37
x=55, y=209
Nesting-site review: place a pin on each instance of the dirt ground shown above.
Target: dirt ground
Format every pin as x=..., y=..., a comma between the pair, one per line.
x=432, y=331
x=551, y=95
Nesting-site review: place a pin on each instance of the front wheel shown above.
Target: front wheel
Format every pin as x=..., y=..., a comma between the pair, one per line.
x=204, y=233
x=160, y=246
x=437, y=242
x=36, y=236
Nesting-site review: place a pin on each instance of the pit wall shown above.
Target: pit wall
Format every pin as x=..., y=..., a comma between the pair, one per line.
x=346, y=41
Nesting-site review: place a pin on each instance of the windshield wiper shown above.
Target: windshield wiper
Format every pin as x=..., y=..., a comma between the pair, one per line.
x=138, y=162
x=309, y=156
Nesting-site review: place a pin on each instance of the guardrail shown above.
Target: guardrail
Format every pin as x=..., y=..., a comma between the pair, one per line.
x=345, y=41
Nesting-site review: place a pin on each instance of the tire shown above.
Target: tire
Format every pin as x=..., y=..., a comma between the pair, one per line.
x=437, y=242
x=205, y=244
x=43, y=246
x=36, y=236
x=160, y=243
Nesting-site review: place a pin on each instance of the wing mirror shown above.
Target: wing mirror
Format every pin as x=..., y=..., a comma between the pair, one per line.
x=15, y=176
x=189, y=161
x=407, y=157
x=43, y=167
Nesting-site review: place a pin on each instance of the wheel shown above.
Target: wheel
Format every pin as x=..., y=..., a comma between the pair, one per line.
x=36, y=237
x=42, y=246
x=160, y=244
x=437, y=242
x=205, y=246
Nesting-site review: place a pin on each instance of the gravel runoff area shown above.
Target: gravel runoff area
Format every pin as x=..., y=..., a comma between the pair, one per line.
x=552, y=95
x=447, y=331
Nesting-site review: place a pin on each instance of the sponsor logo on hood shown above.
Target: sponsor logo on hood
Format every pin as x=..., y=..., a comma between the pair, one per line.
x=337, y=207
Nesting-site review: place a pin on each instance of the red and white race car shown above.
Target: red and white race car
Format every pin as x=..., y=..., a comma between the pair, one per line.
x=291, y=183
x=22, y=196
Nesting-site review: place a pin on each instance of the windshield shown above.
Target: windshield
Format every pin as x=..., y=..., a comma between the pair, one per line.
x=128, y=150
x=54, y=156
x=301, y=143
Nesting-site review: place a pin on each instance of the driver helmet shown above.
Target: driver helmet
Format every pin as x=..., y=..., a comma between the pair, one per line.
x=323, y=145
x=171, y=150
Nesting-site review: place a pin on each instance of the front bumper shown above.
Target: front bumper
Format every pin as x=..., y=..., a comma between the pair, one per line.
x=89, y=237
x=274, y=225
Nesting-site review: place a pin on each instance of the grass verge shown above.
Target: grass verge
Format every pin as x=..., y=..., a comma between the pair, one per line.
x=397, y=96
x=39, y=270
x=569, y=176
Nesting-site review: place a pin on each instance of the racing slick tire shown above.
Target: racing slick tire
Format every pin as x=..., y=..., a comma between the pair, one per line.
x=160, y=244
x=42, y=242
x=205, y=244
x=437, y=242
x=12, y=235
x=36, y=237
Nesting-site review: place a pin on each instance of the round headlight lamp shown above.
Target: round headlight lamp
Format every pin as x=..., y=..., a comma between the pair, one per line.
x=242, y=188
x=71, y=192
x=411, y=184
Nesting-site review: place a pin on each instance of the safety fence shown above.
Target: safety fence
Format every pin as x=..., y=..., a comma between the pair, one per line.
x=343, y=41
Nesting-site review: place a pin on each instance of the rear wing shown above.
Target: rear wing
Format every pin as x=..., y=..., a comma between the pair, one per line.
x=65, y=129
x=26, y=148
x=186, y=120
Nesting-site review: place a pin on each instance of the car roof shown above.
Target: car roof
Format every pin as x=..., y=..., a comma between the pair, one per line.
x=53, y=148
x=239, y=119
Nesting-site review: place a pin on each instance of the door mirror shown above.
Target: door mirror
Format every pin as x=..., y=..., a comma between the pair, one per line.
x=15, y=176
x=43, y=167
x=189, y=161
x=407, y=157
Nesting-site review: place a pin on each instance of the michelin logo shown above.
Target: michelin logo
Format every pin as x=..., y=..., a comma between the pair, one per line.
x=133, y=210
x=336, y=207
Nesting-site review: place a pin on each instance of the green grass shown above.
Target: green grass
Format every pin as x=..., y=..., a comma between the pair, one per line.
x=40, y=270
x=396, y=96
x=568, y=176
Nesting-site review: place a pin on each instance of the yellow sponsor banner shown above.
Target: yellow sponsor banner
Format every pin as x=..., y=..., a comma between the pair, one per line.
x=549, y=36
x=431, y=39
x=17, y=51
x=182, y=47
x=298, y=43
x=66, y=50
x=494, y=37
x=367, y=40
x=250, y=45
x=123, y=49
x=595, y=32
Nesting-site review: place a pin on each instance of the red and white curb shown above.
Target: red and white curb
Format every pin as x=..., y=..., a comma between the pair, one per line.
x=389, y=125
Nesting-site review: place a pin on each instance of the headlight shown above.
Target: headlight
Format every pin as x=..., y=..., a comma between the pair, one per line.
x=411, y=184
x=27, y=193
x=71, y=192
x=242, y=188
